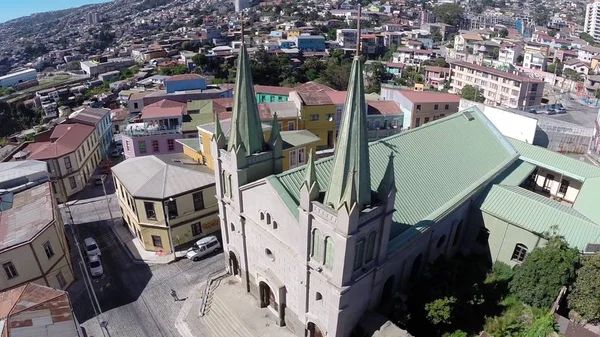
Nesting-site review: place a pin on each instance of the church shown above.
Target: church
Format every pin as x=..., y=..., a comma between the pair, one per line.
x=322, y=244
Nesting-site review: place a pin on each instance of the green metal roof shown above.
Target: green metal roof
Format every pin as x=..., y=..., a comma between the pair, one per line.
x=538, y=214
x=298, y=138
x=436, y=167
x=192, y=143
x=191, y=121
x=588, y=198
x=516, y=173
x=555, y=161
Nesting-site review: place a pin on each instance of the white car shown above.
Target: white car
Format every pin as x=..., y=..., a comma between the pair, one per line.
x=203, y=247
x=91, y=247
x=96, y=266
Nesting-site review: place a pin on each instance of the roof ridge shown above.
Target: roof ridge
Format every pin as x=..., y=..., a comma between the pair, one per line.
x=150, y=179
x=56, y=292
x=18, y=300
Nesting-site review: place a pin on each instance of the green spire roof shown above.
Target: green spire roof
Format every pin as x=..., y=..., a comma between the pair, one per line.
x=218, y=130
x=275, y=131
x=246, y=128
x=311, y=175
x=350, y=177
x=388, y=182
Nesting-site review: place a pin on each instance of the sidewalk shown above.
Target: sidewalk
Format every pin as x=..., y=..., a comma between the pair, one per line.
x=136, y=252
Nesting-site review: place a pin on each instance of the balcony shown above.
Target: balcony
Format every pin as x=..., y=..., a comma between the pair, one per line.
x=144, y=129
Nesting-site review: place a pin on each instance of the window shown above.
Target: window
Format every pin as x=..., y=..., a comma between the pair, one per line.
x=150, y=213
x=426, y=120
x=196, y=228
x=435, y=107
x=317, y=245
x=142, y=145
x=68, y=165
x=171, y=144
x=268, y=219
x=155, y=147
x=269, y=254
x=330, y=117
x=417, y=122
x=291, y=126
x=262, y=216
x=329, y=248
x=48, y=249
x=198, y=201
x=359, y=254
x=370, y=247
x=564, y=186
x=519, y=252
x=10, y=270
x=293, y=158
x=127, y=145
x=301, y=156
x=232, y=226
x=548, y=182
x=172, y=209
x=156, y=241
x=72, y=182
x=274, y=224
x=418, y=106
x=447, y=106
x=62, y=283
x=318, y=296
x=135, y=105
x=314, y=117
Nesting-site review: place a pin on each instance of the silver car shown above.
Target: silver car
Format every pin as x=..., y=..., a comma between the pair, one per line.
x=96, y=266
x=203, y=247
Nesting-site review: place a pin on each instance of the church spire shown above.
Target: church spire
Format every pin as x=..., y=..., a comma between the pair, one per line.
x=275, y=130
x=350, y=175
x=388, y=182
x=310, y=178
x=246, y=128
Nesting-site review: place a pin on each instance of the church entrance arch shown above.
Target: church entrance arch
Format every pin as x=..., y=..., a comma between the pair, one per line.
x=267, y=298
x=234, y=266
x=313, y=330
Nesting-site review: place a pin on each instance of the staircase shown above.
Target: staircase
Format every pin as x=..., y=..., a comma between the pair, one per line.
x=220, y=321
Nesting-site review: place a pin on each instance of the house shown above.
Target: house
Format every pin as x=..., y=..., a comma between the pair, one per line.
x=309, y=42
x=72, y=154
x=412, y=56
x=437, y=77
x=171, y=204
x=462, y=41
x=155, y=131
x=185, y=82
x=119, y=119
x=421, y=107
x=37, y=310
x=578, y=66
x=587, y=53
x=36, y=249
x=100, y=119
x=535, y=61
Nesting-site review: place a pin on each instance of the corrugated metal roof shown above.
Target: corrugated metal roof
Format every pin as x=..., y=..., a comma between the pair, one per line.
x=539, y=214
x=151, y=177
x=555, y=161
x=436, y=165
x=516, y=173
x=587, y=199
x=298, y=138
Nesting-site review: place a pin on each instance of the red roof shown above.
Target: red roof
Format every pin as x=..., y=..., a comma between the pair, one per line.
x=315, y=98
x=429, y=97
x=268, y=89
x=164, y=108
x=65, y=139
x=437, y=69
x=383, y=108
x=395, y=65
x=183, y=77
x=312, y=87
x=496, y=72
x=337, y=97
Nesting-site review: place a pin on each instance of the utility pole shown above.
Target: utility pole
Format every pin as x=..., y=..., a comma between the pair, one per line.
x=107, y=200
x=166, y=213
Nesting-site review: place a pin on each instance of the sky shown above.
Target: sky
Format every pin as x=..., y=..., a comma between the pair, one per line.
x=12, y=9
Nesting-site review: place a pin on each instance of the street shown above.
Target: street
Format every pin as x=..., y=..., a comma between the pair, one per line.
x=135, y=298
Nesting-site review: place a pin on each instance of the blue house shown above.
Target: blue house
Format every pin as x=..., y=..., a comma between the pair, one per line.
x=310, y=42
x=185, y=82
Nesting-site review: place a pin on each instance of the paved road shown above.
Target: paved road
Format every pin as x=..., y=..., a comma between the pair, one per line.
x=135, y=298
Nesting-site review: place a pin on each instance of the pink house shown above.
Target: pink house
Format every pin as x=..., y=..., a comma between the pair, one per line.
x=155, y=131
x=436, y=76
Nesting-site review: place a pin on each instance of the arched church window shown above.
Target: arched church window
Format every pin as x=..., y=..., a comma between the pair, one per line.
x=329, y=248
x=317, y=245
x=370, y=246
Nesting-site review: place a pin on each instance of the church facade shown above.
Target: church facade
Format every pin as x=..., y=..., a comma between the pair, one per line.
x=323, y=244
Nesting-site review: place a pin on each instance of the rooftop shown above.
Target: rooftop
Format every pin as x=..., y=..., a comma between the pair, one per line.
x=32, y=210
x=496, y=72
x=164, y=109
x=65, y=139
x=429, y=97
x=184, y=77
x=164, y=176
x=273, y=90
x=226, y=127
x=36, y=310
x=15, y=173
x=89, y=116
x=298, y=138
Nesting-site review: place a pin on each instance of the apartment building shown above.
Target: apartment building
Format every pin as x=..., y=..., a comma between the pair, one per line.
x=534, y=60
x=72, y=154
x=499, y=88
x=510, y=52
x=592, y=19
x=48, y=99
x=421, y=107
x=98, y=118
x=172, y=203
x=36, y=249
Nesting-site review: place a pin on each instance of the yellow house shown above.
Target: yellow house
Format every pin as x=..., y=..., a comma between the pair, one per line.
x=317, y=115
x=294, y=32
x=72, y=155
x=36, y=249
x=166, y=200
x=296, y=147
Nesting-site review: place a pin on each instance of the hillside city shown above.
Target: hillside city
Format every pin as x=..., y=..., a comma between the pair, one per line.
x=198, y=168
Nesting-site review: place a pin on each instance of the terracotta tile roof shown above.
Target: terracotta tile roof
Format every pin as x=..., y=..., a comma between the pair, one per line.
x=337, y=97
x=395, y=65
x=164, y=108
x=273, y=90
x=50, y=307
x=429, y=97
x=118, y=115
x=221, y=105
x=89, y=116
x=312, y=87
x=65, y=139
x=315, y=98
x=437, y=69
x=183, y=77
x=383, y=108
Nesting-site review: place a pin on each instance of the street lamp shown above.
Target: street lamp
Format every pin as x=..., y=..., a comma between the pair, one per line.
x=166, y=210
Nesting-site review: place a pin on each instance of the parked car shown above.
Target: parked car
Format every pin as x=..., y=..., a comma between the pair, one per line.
x=96, y=266
x=203, y=247
x=532, y=111
x=550, y=112
x=91, y=247
x=116, y=153
x=561, y=110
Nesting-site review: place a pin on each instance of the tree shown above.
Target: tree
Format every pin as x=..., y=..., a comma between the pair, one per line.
x=572, y=75
x=587, y=38
x=552, y=32
x=503, y=33
x=584, y=298
x=201, y=61
x=545, y=270
x=376, y=77
x=555, y=68
x=494, y=53
x=437, y=36
x=472, y=93
x=448, y=13
x=389, y=54
x=187, y=45
x=74, y=65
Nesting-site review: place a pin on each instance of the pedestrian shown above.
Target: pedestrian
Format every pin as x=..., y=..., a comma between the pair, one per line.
x=174, y=295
